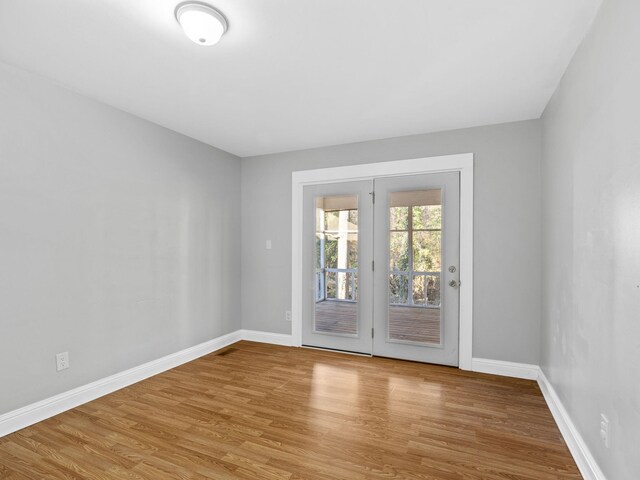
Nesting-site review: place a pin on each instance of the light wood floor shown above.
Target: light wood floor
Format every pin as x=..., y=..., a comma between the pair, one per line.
x=405, y=323
x=256, y=411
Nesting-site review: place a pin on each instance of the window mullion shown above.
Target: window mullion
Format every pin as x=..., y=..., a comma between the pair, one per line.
x=410, y=275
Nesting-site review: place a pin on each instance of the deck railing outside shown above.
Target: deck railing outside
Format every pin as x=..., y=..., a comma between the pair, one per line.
x=403, y=292
x=323, y=284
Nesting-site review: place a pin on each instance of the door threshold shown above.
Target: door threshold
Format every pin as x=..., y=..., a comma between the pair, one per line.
x=347, y=352
x=422, y=362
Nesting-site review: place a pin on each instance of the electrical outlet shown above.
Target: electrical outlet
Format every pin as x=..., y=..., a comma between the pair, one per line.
x=604, y=430
x=62, y=361
x=287, y=315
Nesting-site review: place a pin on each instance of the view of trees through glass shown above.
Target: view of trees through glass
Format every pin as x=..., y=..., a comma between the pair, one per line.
x=337, y=254
x=415, y=254
x=415, y=239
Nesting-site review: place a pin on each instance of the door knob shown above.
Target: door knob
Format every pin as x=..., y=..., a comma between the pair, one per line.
x=454, y=283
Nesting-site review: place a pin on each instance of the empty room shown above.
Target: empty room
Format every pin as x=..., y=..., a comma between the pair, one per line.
x=320, y=239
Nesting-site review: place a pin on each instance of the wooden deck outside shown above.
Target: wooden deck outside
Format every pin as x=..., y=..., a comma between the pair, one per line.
x=406, y=323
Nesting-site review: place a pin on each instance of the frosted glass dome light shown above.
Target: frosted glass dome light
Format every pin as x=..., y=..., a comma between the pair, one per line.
x=202, y=23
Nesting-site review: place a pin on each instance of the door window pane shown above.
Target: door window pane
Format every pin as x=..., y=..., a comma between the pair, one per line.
x=415, y=251
x=336, y=260
x=398, y=288
x=399, y=251
x=433, y=290
x=399, y=218
x=426, y=251
x=419, y=290
x=426, y=217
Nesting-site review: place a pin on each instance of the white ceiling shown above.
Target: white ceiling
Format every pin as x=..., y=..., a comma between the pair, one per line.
x=293, y=74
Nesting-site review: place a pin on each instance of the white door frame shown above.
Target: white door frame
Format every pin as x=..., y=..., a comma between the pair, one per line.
x=462, y=163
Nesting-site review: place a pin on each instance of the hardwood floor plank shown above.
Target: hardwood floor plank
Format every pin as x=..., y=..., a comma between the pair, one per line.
x=257, y=411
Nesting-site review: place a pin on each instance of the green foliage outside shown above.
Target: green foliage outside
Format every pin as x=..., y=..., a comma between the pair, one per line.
x=423, y=227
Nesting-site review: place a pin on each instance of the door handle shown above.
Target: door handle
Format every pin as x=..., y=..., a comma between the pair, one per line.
x=454, y=283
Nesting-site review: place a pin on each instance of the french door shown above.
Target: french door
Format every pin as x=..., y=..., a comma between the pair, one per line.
x=337, y=311
x=380, y=263
x=417, y=245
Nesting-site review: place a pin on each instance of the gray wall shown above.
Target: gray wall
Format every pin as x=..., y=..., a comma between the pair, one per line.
x=118, y=240
x=507, y=229
x=591, y=243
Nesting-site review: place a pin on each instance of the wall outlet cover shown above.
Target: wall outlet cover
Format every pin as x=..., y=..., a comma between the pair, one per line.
x=604, y=430
x=62, y=361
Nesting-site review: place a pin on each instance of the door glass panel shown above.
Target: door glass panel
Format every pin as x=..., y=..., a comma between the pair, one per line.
x=415, y=257
x=399, y=251
x=398, y=218
x=426, y=250
x=398, y=288
x=336, y=263
x=427, y=216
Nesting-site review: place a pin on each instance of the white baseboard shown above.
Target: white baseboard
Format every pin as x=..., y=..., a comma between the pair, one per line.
x=36, y=412
x=581, y=454
x=506, y=369
x=267, y=337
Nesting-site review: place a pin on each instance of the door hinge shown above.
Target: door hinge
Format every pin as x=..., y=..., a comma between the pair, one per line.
x=373, y=197
x=373, y=265
x=371, y=332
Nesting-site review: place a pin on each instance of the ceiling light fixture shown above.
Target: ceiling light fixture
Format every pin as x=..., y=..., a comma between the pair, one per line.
x=202, y=23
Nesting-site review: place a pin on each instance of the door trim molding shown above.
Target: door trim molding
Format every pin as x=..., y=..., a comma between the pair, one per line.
x=462, y=163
